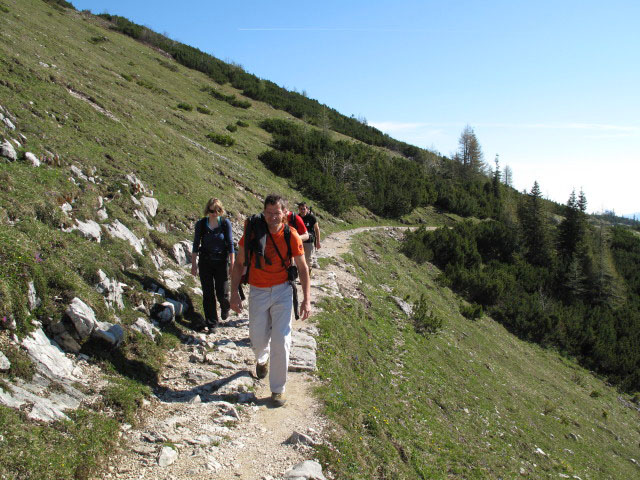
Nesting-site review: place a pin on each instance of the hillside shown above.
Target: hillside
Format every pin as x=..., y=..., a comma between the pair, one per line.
x=110, y=150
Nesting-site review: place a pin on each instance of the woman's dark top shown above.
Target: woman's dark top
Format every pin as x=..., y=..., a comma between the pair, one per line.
x=213, y=244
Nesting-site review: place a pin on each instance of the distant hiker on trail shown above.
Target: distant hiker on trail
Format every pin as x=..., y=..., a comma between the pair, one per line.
x=296, y=222
x=313, y=242
x=265, y=255
x=213, y=243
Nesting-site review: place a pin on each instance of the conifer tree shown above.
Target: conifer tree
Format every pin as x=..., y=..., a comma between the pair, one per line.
x=469, y=154
x=535, y=236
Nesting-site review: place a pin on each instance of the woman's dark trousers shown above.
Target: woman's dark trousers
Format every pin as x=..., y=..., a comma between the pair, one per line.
x=214, y=280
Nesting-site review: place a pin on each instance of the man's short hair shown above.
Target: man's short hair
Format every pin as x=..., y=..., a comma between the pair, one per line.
x=302, y=204
x=275, y=199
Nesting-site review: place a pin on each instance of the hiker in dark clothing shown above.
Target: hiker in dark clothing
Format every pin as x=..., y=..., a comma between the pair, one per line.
x=213, y=244
x=313, y=242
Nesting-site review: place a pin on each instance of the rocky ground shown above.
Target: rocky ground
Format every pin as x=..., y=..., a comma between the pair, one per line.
x=211, y=418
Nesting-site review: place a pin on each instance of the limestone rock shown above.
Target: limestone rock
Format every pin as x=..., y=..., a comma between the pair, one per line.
x=179, y=308
x=136, y=184
x=102, y=214
x=111, y=289
x=78, y=173
x=32, y=159
x=32, y=298
x=7, y=151
x=48, y=357
x=9, y=124
x=5, y=364
x=167, y=456
x=298, y=438
x=164, y=311
x=119, y=230
x=112, y=334
x=308, y=470
x=404, y=306
x=66, y=208
x=181, y=252
x=83, y=317
x=172, y=279
x=150, y=204
x=302, y=359
x=145, y=328
x=89, y=229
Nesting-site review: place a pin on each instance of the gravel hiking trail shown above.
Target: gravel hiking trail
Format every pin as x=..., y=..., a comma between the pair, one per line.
x=210, y=417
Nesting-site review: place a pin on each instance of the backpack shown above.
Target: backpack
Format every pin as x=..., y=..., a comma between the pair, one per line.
x=255, y=242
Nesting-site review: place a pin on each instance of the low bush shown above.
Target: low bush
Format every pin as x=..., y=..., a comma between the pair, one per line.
x=98, y=39
x=220, y=139
x=203, y=110
x=242, y=123
x=231, y=127
x=472, y=311
x=425, y=320
x=185, y=106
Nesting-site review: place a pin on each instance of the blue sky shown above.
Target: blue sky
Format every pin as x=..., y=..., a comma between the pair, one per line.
x=552, y=87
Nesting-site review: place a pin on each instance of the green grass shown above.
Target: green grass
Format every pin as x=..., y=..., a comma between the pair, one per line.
x=72, y=449
x=471, y=401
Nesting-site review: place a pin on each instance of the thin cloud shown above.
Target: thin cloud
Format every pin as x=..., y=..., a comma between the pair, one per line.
x=331, y=29
x=627, y=130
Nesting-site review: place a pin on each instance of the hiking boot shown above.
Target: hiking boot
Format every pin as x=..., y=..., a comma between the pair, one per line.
x=278, y=400
x=224, y=313
x=262, y=369
x=211, y=326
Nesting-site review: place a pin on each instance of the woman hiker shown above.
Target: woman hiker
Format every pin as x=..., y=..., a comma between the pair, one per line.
x=213, y=244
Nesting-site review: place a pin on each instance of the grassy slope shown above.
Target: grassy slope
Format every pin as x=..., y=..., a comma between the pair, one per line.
x=470, y=402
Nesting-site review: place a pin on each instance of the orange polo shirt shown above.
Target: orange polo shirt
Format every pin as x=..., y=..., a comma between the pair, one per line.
x=274, y=274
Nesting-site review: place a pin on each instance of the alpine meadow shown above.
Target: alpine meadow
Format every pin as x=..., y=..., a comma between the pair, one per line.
x=461, y=328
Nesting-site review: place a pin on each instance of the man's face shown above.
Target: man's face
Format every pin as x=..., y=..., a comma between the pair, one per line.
x=302, y=210
x=274, y=215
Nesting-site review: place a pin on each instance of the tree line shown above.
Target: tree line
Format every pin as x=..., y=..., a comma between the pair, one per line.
x=573, y=287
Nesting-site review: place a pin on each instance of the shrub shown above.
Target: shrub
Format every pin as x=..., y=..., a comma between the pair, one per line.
x=242, y=123
x=472, y=311
x=220, y=139
x=231, y=127
x=203, y=110
x=424, y=319
x=127, y=77
x=126, y=395
x=98, y=39
x=185, y=106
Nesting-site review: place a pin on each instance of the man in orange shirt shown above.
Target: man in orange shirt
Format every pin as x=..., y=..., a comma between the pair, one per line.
x=270, y=293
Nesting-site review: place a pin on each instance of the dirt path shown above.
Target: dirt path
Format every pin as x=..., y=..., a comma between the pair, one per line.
x=214, y=413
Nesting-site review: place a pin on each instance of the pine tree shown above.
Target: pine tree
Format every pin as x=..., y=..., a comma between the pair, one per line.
x=535, y=236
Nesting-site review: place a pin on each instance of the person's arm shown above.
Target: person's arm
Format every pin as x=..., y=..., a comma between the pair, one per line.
x=301, y=228
x=230, y=246
x=316, y=229
x=236, y=277
x=194, y=251
x=303, y=272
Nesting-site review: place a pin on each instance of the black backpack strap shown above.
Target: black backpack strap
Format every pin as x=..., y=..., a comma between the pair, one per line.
x=287, y=237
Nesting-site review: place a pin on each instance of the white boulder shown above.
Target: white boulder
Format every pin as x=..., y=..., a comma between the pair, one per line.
x=119, y=230
x=48, y=357
x=7, y=151
x=181, y=252
x=89, y=229
x=112, y=290
x=145, y=328
x=5, y=364
x=83, y=317
x=150, y=205
x=32, y=159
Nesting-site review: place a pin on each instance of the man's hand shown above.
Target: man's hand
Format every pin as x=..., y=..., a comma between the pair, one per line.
x=236, y=303
x=305, y=309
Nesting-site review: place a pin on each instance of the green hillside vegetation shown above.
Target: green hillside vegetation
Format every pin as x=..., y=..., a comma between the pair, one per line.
x=191, y=127
x=470, y=401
